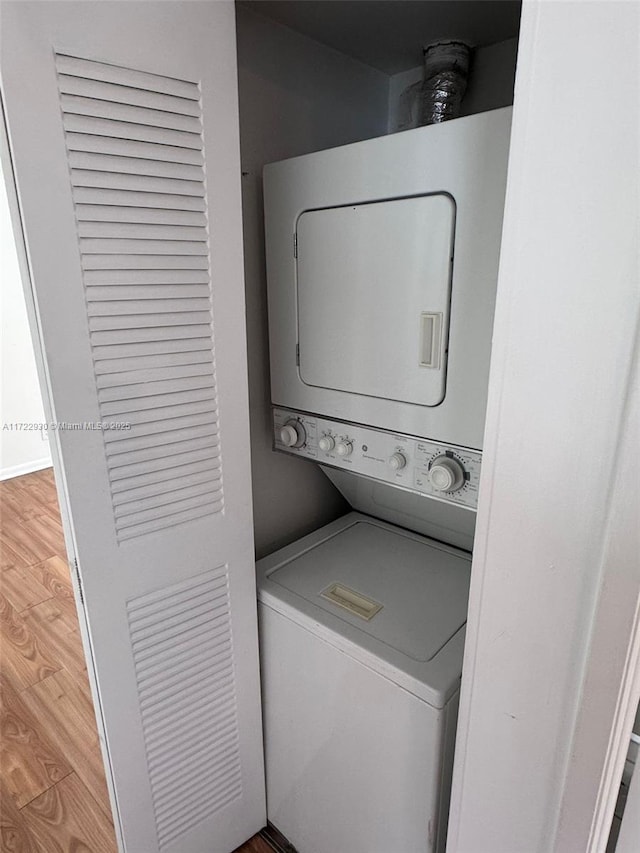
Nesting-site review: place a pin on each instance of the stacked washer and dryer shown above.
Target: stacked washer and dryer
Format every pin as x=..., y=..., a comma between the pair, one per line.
x=382, y=262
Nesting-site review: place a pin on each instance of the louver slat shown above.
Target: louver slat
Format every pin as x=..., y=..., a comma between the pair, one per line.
x=142, y=231
x=161, y=522
x=144, y=262
x=153, y=489
x=136, y=336
x=99, y=91
x=121, y=454
x=174, y=654
x=158, y=292
x=169, y=359
x=134, y=143
x=111, y=213
x=167, y=660
x=150, y=646
x=145, y=407
x=134, y=393
x=165, y=668
x=117, y=75
x=129, y=485
x=95, y=162
x=124, y=461
x=111, y=307
x=131, y=148
x=152, y=466
x=135, y=247
x=125, y=199
x=77, y=105
x=94, y=277
x=176, y=410
x=141, y=321
x=124, y=443
x=146, y=507
x=129, y=130
x=116, y=358
x=193, y=686
x=185, y=736
x=136, y=183
x=158, y=427
x=153, y=374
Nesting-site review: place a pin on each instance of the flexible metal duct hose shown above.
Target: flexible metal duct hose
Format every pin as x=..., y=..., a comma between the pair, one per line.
x=446, y=68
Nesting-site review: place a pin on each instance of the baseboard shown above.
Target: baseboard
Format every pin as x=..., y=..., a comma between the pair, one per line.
x=25, y=468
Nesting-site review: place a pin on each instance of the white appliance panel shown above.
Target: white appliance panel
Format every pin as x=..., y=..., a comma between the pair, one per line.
x=400, y=460
x=436, y=519
x=354, y=764
x=332, y=356
x=420, y=655
x=371, y=276
x=421, y=590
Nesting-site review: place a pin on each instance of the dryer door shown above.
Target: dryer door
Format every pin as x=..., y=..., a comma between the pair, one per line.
x=374, y=287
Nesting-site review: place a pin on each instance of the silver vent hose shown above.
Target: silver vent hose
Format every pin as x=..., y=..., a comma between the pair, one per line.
x=446, y=68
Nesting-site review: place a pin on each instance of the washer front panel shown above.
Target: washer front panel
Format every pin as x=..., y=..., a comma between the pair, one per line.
x=371, y=452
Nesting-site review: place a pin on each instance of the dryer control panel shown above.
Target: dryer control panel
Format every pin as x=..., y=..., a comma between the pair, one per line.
x=440, y=471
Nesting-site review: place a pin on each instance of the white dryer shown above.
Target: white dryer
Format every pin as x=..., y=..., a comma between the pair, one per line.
x=362, y=632
x=382, y=262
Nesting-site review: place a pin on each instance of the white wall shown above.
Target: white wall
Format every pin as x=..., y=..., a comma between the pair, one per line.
x=296, y=96
x=490, y=84
x=20, y=399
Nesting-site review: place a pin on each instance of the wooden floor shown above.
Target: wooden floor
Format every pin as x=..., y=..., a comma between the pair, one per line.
x=255, y=845
x=53, y=795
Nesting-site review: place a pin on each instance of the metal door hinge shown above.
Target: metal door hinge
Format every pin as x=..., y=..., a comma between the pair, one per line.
x=295, y=245
x=79, y=579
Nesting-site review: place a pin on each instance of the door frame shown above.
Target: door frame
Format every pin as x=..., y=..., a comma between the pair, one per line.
x=551, y=676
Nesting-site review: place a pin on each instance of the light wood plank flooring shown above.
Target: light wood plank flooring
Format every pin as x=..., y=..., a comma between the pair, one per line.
x=53, y=795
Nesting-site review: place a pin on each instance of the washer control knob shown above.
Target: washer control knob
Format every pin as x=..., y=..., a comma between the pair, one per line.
x=344, y=448
x=397, y=461
x=446, y=474
x=327, y=443
x=292, y=434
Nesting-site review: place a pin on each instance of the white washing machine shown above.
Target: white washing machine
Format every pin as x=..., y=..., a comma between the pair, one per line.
x=382, y=261
x=362, y=632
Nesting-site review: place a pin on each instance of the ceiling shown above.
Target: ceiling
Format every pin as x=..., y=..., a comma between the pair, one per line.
x=389, y=34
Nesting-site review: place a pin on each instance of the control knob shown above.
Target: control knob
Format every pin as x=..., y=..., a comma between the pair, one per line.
x=292, y=434
x=327, y=443
x=344, y=448
x=397, y=461
x=446, y=474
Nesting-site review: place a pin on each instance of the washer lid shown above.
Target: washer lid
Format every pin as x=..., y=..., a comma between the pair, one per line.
x=393, y=599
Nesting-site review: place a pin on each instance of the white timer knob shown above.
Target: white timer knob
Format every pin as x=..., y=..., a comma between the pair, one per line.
x=327, y=443
x=446, y=474
x=292, y=434
x=397, y=461
x=344, y=448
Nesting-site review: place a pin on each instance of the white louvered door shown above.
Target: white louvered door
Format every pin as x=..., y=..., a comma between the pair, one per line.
x=123, y=134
